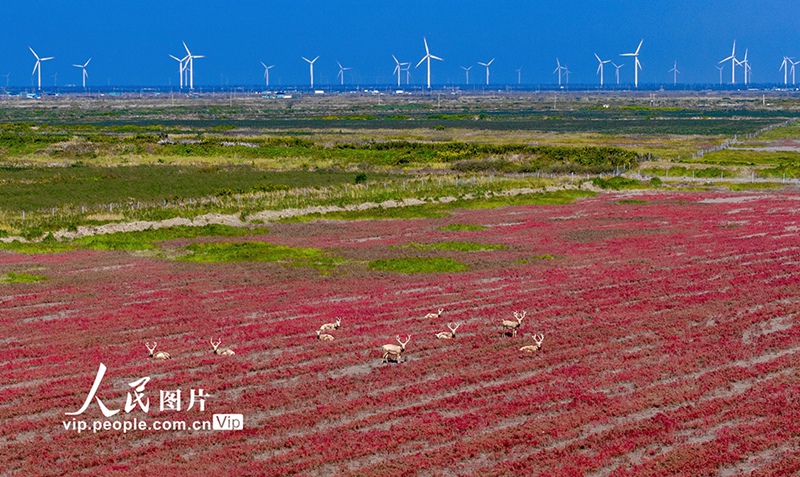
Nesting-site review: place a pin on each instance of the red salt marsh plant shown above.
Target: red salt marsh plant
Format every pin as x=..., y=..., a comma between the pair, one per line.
x=671, y=348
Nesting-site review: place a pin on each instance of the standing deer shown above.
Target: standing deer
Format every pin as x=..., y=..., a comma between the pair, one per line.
x=159, y=355
x=223, y=351
x=534, y=347
x=331, y=326
x=393, y=351
x=324, y=336
x=511, y=326
x=435, y=315
x=446, y=335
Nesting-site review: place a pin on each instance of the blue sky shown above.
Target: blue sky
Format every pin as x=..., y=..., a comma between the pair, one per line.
x=129, y=42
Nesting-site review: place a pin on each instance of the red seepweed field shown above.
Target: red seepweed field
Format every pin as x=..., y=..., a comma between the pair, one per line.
x=671, y=347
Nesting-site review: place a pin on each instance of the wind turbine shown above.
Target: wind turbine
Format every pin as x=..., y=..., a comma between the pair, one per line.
x=181, y=67
x=558, y=70
x=746, y=66
x=733, y=62
x=675, y=73
x=567, y=73
x=794, y=63
x=487, y=69
x=785, y=67
x=190, y=64
x=266, y=71
x=466, y=70
x=398, y=69
x=600, y=69
x=311, y=68
x=407, y=69
x=342, y=69
x=519, y=75
x=720, y=68
x=428, y=56
x=38, y=66
x=636, y=65
x=85, y=74
x=617, y=70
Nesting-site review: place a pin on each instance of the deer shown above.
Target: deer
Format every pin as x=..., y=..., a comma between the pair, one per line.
x=393, y=351
x=223, y=351
x=446, y=335
x=435, y=315
x=510, y=326
x=331, y=326
x=160, y=354
x=324, y=336
x=534, y=347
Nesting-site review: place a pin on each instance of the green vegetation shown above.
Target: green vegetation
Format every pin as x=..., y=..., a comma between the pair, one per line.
x=632, y=201
x=536, y=258
x=617, y=183
x=23, y=277
x=454, y=246
x=418, y=265
x=260, y=252
x=462, y=227
x=147, y=239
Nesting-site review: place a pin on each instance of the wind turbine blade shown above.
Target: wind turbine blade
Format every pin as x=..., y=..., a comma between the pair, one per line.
x=262, y=64
x=78, y=66
x=396, y=60
x=198, y=56
x=87, y=63
x=422, y=60
x=34, y=53
x=303, y=57
x=396, y=69
x=726, y=59
x=48, y=58
x=627, y=54
x=436, y=58
x=34, y=68
x=598, y=58
x=175, y=58
x=490, y=62
x=315, y=59
x=187, y=48
x=598, y=69
x=340, y=65
x=482, y=64
x=639, y=47
x=427, y=51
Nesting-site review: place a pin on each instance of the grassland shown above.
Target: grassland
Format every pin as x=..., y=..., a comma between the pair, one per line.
x=72, y=163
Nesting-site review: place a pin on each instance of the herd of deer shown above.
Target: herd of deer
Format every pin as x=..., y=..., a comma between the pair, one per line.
x=391, y=352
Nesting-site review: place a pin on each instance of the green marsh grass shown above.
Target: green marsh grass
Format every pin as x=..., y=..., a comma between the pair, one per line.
x=217, y=252
x=418, y=265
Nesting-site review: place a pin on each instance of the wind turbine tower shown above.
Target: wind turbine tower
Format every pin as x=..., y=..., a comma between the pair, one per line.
x=342, y=69
x=733, y=62
x=398, y=69
x=85, y=74
x=600, y=69
x=636, y=65
x=38, y=66
x=720, y=68
x=181, y=67
x=466, y=71
x=190, y=64
x=617, y=70
x=266, y=71
x=519, y=75
x=558, y=70
x=785, y=67
x=311, y=68
x=487, y=69
x=428, y=56
x=675, y=73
